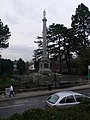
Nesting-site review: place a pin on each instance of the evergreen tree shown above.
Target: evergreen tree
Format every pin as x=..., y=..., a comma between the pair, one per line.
x=21, y=66
x=6, y=66
x=81, y=27
x=4, y=35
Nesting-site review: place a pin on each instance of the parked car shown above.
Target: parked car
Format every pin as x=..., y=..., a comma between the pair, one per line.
x=64, y=99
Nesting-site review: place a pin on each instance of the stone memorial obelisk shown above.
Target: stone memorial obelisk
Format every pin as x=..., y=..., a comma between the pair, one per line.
x=44, y=64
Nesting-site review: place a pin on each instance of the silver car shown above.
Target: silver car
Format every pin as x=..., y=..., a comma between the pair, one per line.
x=64, y=99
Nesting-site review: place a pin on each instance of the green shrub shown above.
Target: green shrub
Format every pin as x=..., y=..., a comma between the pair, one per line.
x=33, y=114
x=15, y=116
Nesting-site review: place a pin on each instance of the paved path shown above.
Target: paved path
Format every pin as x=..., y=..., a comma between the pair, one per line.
x=42, y=92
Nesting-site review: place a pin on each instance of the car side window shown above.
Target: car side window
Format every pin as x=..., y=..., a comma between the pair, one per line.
x=79, y=98
x=70, y=99
x=63, y=100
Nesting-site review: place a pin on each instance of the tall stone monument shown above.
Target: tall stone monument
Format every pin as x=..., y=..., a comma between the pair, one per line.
x=44, y=65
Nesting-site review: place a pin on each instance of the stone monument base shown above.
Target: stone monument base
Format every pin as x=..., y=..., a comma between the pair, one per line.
x=44, y=66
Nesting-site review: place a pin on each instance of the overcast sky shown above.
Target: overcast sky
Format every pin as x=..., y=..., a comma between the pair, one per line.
x=24, y=18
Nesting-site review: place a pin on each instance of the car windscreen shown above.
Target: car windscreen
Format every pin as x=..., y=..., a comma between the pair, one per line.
x=53, y=99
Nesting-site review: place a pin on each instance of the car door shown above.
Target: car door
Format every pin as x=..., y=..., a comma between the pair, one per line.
x=62, y=103
x=67, y=101
x=70, y=101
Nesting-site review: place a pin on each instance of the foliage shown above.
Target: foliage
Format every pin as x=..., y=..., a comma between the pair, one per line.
x=6, y=66
x=21, y=66
x=78, y=112
x=15, y=116
x=83, y=60
x=81, y=27
x=4, y=35
x=61, y=42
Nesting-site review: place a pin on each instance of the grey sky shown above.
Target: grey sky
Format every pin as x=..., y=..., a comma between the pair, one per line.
x=24, y=18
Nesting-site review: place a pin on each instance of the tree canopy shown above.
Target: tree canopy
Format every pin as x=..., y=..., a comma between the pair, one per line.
x=21, y=66
x=4, y=35
x=81, y=26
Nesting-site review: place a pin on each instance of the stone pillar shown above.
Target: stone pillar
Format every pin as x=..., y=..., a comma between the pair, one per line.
x=44, y=65
x=44, y=34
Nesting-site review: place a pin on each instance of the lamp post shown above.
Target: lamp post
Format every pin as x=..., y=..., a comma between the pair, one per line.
x=0, y=59
x=88, y=72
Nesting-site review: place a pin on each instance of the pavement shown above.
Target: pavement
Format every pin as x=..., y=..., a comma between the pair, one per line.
x=42, y=92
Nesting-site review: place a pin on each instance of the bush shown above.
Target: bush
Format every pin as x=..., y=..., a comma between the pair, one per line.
x=15, y=116
x=33, y=114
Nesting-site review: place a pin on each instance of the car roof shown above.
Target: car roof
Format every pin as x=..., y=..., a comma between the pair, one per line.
x=66, y=93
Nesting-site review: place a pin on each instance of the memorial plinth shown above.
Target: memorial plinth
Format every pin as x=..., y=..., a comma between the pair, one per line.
x=44, y=64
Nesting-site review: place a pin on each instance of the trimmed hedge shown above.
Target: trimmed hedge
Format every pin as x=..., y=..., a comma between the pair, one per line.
x=78, y=112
